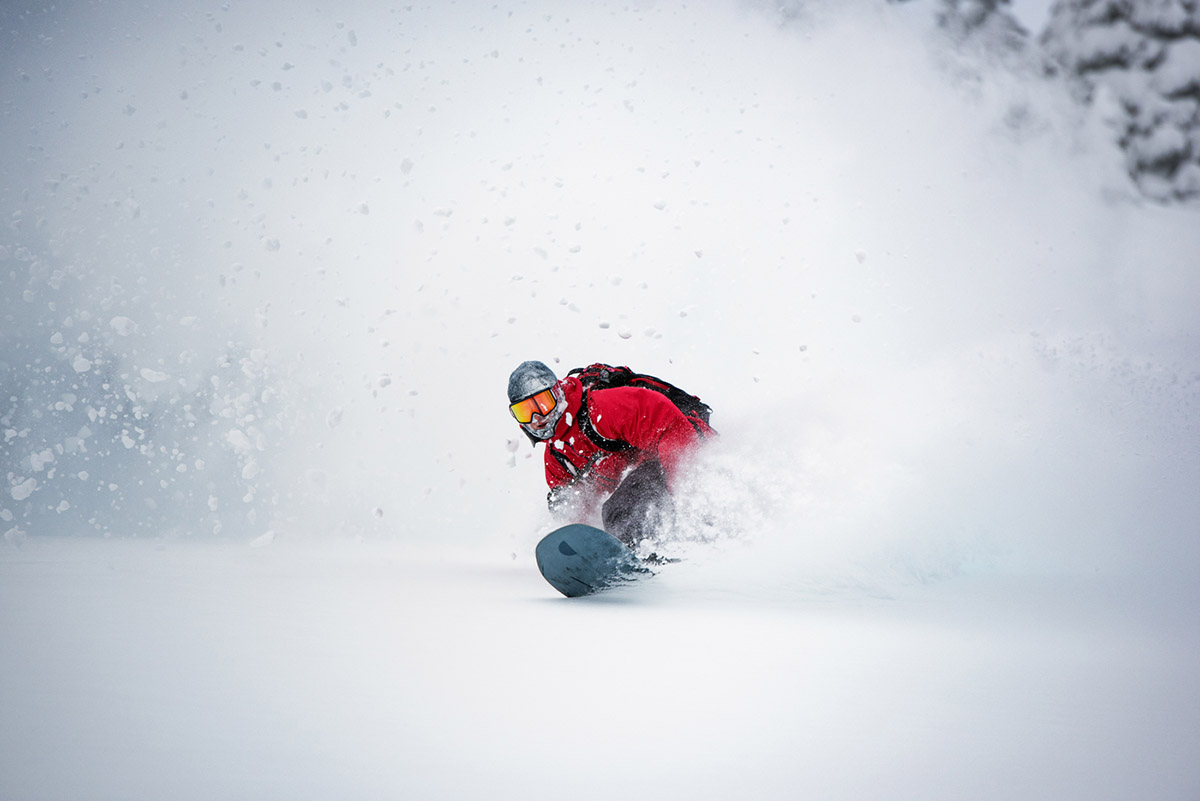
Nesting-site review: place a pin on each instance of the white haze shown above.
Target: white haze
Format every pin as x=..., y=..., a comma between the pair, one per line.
x=278, y=261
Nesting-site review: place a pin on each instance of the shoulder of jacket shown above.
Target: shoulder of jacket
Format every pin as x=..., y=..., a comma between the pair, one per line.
x=627, y=396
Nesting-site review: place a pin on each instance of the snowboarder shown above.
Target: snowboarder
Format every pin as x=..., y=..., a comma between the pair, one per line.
x=621, y=448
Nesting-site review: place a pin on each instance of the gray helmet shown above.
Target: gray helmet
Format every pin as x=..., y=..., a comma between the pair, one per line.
x=529, y=379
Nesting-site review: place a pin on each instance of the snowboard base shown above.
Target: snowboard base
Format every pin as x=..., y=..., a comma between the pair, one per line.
x=580, y=560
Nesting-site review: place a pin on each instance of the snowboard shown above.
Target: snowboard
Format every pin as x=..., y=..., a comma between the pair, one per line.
x=580, y=560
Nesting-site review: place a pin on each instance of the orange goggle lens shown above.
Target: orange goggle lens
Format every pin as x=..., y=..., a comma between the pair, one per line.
x=541, y=403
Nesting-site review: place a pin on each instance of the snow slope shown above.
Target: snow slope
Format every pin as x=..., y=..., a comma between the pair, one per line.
x=266, y=272
x=379, y=671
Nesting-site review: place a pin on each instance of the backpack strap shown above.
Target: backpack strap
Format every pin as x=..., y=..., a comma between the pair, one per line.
x=564, y=462
x=599, y=440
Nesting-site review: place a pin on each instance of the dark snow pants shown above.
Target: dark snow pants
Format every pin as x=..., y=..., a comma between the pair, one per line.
x=641, y=506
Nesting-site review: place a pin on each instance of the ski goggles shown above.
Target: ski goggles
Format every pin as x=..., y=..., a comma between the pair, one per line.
x=542, y=403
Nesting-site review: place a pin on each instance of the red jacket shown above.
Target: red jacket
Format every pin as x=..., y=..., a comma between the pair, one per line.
x=645, y=419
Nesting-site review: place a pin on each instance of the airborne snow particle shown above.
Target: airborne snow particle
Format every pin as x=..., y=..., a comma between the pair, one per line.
x=81, y=364
x=239, y=441
x=123, y=326
x=153, y=376
x=39, y=460
x=23, y=490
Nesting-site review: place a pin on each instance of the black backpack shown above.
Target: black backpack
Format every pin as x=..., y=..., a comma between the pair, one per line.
x=605, y=376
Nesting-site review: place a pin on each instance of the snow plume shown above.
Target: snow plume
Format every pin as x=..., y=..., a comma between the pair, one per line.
x=1028, y=453
x=269, y=272
x=119, y=426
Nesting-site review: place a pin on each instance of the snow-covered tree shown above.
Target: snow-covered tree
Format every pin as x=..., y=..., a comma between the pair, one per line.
x=989, y=22
x=1138, y=61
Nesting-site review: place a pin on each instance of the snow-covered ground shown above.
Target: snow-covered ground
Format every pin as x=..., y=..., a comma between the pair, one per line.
x=268, y=527
x=201, y=671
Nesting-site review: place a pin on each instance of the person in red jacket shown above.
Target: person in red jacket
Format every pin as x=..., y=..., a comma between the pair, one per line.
x=621, y=448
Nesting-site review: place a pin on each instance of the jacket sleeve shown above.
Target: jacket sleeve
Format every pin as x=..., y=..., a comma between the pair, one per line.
x=568, y=496
x=648, y=421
